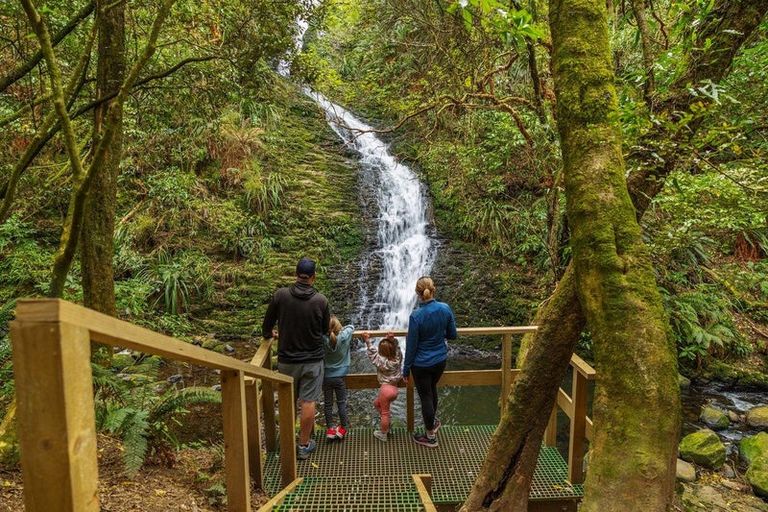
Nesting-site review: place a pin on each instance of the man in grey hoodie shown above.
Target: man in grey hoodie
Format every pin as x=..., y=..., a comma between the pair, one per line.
x=303, y=317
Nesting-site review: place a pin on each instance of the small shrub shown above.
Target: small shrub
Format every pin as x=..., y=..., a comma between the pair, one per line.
x=177, y=277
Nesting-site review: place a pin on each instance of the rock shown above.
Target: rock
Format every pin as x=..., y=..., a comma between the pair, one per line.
x=734, y=417
x=173, y=379
x=684, y=381
x=229, y=349
x=735, y=486
x=714, y=418
x=685, y=471
x=703, y=448
x=753, y=447
x=728, y=472
x=757, y=476
x=216, y=387
x=758, y=417
x=707, y=498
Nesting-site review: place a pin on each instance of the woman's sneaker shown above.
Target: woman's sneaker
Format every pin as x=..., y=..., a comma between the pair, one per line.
x=341, y=432
x=425, y=440
x=331, y=433
x=381, y=436
x=303, y=452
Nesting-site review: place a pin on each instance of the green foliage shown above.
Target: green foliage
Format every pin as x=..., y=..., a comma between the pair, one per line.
x=176, y=278
x=703, y=325
x=6, y=373
x=131, y=404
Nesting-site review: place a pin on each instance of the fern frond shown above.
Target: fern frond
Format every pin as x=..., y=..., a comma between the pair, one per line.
x=135, y=429
x=175, y=402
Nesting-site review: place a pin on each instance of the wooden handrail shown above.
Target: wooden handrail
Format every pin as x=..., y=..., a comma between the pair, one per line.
x=112, y=331
x=463, y=331
x=54, y=391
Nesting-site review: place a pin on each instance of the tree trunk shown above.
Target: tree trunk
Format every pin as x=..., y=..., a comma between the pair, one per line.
x=560, y=319
x=637, y=399
x=97, y=242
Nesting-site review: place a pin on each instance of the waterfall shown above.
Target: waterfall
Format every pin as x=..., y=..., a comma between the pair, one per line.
x=404, y=250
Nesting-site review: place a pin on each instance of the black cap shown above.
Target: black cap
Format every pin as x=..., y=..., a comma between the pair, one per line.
x=305, y=267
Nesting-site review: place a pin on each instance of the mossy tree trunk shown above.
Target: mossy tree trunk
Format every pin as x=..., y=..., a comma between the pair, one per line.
x=637, y=399
x=504, y=481
x=97, y=242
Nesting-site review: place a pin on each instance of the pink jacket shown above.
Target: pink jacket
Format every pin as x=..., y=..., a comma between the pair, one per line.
x=387, y=371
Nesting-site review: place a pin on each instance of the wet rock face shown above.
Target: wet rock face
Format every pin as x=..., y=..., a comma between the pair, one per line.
x=703, y=448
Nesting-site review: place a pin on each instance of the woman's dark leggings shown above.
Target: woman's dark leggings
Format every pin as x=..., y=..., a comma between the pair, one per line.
x=426, y=380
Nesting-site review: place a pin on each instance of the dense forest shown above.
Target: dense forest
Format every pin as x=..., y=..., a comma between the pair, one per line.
x=596, y=168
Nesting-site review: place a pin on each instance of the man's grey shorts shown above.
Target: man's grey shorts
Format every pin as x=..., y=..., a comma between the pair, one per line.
x=307, y=379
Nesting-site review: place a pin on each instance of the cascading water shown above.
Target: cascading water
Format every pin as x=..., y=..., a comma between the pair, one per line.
x=404, y=251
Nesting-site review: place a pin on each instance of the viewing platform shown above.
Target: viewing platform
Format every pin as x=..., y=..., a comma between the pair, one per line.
x=57, y=433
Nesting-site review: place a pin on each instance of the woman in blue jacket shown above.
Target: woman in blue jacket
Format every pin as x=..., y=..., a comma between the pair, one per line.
x=426, y=352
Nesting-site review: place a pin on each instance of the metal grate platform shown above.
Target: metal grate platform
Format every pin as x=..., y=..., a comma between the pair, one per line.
x=362, y=473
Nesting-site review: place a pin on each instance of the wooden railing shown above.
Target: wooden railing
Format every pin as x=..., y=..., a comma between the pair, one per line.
x=574, y=405
x=57, y=433
x=55, y=406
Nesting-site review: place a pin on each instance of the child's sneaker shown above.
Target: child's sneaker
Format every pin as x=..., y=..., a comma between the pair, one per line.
x=381, y=436
x=341, y=432
x=425, y=440
x=303, y=452
x=331, y=433
x=436, y=426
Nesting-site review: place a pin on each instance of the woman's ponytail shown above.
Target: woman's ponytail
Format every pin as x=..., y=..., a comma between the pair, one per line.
x=425, y=287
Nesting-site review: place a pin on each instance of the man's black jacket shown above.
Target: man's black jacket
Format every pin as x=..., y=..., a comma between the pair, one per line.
x=303, y=316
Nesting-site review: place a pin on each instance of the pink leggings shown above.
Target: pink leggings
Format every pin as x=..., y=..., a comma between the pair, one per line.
x=387, y=395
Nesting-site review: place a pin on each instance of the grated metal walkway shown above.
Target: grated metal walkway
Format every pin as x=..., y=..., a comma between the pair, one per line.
x=361, y=473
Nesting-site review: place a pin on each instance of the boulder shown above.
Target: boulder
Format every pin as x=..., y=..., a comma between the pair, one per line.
x=684, y=381
x=703, y=448
x=757, y=476
x=753, y=447
x=685, y=472
x=758, y=417
x=714, y=418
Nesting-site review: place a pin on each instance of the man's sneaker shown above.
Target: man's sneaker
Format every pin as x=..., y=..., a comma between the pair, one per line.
x=303, y=452
x=381, y=436
x=341, y=432
x=436, y=426
x=331, y=433
x=425, y=440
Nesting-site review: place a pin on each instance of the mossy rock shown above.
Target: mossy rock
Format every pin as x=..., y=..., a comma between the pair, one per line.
x=757, y=476
x=714, y=418
x=753, y=447
x=758, y=417
x=703, y=448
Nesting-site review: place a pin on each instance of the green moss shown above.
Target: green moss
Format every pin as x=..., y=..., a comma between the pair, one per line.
x=703, y=448
x=753, y=447
x=757, y=476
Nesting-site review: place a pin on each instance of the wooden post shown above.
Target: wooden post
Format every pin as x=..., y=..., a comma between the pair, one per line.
x=287, y=405
x=235, y=441
x=506, y=370
x=56, y=420
x=253, y=415
x=550, y=435
x=578, y=429
x=268, y=407
x=409, y=406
